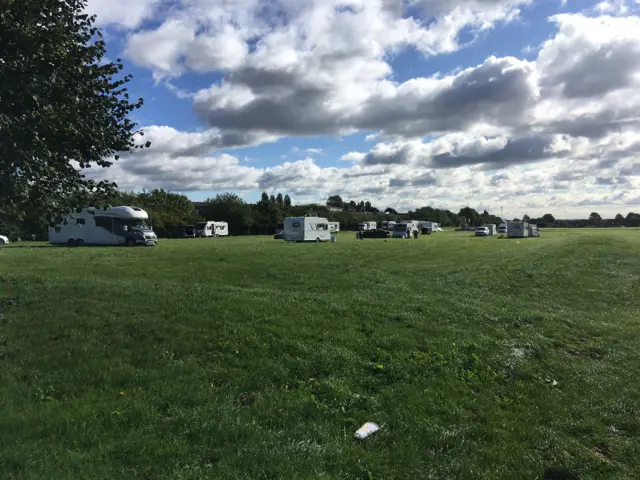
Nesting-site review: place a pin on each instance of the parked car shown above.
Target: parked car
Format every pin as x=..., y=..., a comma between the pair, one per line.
x=482, y=232
x=4, y=240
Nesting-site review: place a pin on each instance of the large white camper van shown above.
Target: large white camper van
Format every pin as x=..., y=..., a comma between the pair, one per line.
x=212, y=229
x=306, y=229
x=104, y=226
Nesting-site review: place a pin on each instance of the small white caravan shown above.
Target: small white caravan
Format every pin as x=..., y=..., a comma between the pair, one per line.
x=104, y=226
x=405, y=229
x=212, y=229
x=334, y=227
x=388, y=224
x=518, y=229
x=429, y=227
x=306, y=229
x=366, y=226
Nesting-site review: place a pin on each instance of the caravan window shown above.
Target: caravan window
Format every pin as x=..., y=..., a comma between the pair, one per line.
x=80, y=221
x=295, y=224
x=323, y=226
x=104, y=222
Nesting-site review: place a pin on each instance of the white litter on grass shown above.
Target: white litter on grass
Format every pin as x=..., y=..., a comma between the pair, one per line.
x=366, y=430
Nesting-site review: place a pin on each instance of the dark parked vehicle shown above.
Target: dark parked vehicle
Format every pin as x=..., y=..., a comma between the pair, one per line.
x=182, y=231
x=375, y=234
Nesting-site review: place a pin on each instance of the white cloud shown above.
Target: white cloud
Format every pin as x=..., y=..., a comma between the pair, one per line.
x=556, y=132
x=352, y=157
x=123, y=13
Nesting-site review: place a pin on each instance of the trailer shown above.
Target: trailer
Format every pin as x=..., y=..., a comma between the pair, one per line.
x=306, y=229
x=104, y=226
x=405, y=229
x=518, y=230
x=334, y=227
x=427, y=228
x=212, y=229
x=364, y=226
x=388, y=224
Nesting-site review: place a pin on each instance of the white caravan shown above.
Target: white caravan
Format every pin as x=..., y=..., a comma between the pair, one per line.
x=365, y=226
x=518, y=229
x=430, y=227
x=334, y=227
x=104, y=226
x=405, y=229
x=503, y=228
x=212, y=229
x=388, y=224
x=306, y=229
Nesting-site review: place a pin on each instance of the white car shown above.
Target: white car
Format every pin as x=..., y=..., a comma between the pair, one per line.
x=482, y=232
x=4, y=240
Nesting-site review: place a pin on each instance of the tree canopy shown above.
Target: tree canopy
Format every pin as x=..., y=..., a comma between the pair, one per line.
x=63, y=107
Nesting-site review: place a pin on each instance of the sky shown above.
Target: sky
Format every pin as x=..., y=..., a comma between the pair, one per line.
x=529, y=106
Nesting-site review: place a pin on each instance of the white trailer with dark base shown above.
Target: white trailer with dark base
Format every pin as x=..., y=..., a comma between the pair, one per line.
x=366, y=226
x=306, y=229
x=388, y=224
x=212, y=229
x=104, y=226
x=405, y=229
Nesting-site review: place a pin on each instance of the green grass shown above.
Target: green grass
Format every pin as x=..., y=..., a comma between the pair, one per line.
x=252, y=358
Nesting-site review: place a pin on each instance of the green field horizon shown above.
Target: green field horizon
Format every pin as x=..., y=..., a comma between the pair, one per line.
x=249, y=357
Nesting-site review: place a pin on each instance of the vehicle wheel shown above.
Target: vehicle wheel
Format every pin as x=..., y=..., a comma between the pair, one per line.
x=71, y=242
x=130, y=242
x=79, y=242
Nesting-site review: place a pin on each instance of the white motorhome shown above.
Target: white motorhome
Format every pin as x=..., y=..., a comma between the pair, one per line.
x=212, y=229
x=365, y=226
x=306, y=229
x=334, y=227
x=104, y=226
x=388, y=224
x=405, y=229
x=503, y=228
x=518, y=230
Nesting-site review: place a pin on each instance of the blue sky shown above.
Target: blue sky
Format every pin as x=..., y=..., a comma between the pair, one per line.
x=410, y=89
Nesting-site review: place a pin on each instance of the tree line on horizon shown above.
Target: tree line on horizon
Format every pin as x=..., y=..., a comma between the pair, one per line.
x=169, y=210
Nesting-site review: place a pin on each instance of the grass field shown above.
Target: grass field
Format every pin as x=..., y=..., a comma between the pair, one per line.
x=480, y=358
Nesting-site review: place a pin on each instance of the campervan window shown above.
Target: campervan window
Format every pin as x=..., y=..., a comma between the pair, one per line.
x=104, y=222
x=322, y=226
x=295, y=224
x=136, y=224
